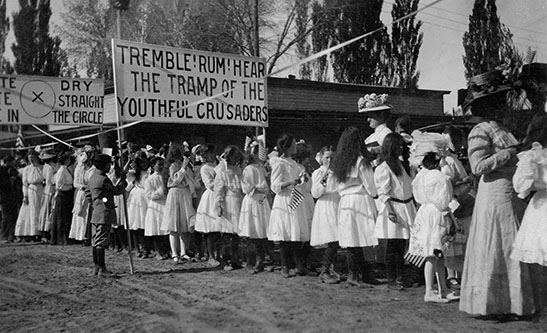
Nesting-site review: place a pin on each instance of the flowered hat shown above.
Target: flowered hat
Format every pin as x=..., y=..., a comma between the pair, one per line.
x=373, y=102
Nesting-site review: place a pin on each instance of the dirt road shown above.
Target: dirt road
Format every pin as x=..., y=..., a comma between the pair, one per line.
x=47, y=288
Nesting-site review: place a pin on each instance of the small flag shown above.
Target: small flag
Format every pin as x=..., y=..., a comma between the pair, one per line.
x=530, y=55
x=296, y=199
x=247, y=143
x=19, y=142
x=262, y=152
x=414, y=259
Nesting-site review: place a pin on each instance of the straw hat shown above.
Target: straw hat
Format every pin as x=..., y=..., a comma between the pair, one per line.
x=373, y=102
x=46, y=154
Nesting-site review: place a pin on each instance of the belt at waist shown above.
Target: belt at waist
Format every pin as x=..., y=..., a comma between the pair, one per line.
x=401, y=201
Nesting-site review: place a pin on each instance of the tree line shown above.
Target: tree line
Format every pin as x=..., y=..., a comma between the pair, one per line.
x=81, y=43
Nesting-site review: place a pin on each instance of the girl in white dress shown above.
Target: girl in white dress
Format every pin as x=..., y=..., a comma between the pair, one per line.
x=530, y=246
x=156, y=192
x=290, y=220
x=324, y=227
x=255, y=209
x=396, y=210
x=179, y=214
x=206, y=219
x=228, y=198
x=137, y=204
x=433, y=191
x=356, y=209
x=28, y=221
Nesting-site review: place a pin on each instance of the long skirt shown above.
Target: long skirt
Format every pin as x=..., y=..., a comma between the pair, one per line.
x=28, y=221
x=492, y=282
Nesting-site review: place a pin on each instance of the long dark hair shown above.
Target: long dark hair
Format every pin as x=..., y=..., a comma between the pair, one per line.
x=389, y=153
x=350, y=146
x=284, y=142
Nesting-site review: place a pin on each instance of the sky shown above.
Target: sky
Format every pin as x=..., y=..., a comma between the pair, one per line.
x=440, y=61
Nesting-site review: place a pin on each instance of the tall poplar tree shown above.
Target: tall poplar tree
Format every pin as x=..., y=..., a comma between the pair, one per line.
x=5, y=66
x=321, y=18
x=362, y=61
x=35, y=51
x=487, y=43
x=406, y=41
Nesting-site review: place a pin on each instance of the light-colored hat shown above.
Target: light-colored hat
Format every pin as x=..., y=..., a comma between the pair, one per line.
x=426, y=142
x=373, y=102
x=46, y=154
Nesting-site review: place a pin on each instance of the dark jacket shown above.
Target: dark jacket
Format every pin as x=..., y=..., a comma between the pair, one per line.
x=102, y=195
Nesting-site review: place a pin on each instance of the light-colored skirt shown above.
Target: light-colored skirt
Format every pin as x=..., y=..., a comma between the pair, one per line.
x=356, y=218
x=530, y=244
x=28, y=221
x=206, y=218
x=154, y=217
x=45, y=211
x=324, y=226
x=179, y=214
x=79, y=216
x=492, y=282
x=136, y=208
x=428, y=231
x=255, y=216
x=288, y=225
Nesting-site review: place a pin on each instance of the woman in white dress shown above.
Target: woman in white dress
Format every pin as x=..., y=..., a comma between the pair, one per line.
x=28, y=221
x=80, y=211
x=206, y=218
x=290, y=220
x=179, y=214
x=530, y=179
x=356, y=209
x=396, y=209
x=324, y=227
x=255, y=208
x=156, y=192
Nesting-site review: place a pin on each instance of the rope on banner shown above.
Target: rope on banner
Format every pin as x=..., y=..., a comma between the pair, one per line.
x=216, y=96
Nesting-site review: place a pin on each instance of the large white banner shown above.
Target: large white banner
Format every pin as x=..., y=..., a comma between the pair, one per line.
x=154, y=83
x=45, y=100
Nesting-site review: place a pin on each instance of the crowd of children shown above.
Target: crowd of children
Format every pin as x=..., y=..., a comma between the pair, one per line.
x=397, y=193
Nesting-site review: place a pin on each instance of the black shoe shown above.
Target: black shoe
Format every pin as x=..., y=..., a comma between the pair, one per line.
x=103, y=272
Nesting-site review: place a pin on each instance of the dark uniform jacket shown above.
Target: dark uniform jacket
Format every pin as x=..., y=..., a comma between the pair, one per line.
x=102, y=195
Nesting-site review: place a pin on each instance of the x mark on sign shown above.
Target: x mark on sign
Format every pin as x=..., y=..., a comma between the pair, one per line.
x=37, y=96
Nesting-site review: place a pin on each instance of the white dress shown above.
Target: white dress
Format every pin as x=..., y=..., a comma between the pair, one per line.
x=286, y=224
x=81, y=203
x=324, y=226
x=155, y=193
x=28, y=221
x=530, y=244
x=397, y=189
x=433, y=190
x=255, y=208
x=206, y=217
x=137, y=203
x=228, y=192
x=357, y=210
x=179, y=214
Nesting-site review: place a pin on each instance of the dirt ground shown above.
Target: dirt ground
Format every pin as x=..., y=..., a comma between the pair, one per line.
x=47, y=288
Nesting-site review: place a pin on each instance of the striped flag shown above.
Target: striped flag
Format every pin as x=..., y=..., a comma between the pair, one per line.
x=296, y=199
x=19, y=142
x=530, y=55
x=414, y=259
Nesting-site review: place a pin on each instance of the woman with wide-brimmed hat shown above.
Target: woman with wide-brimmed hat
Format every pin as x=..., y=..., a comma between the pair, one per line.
x=492, y=283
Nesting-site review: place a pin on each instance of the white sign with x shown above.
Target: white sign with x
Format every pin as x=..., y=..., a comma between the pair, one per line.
x=51, y=100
